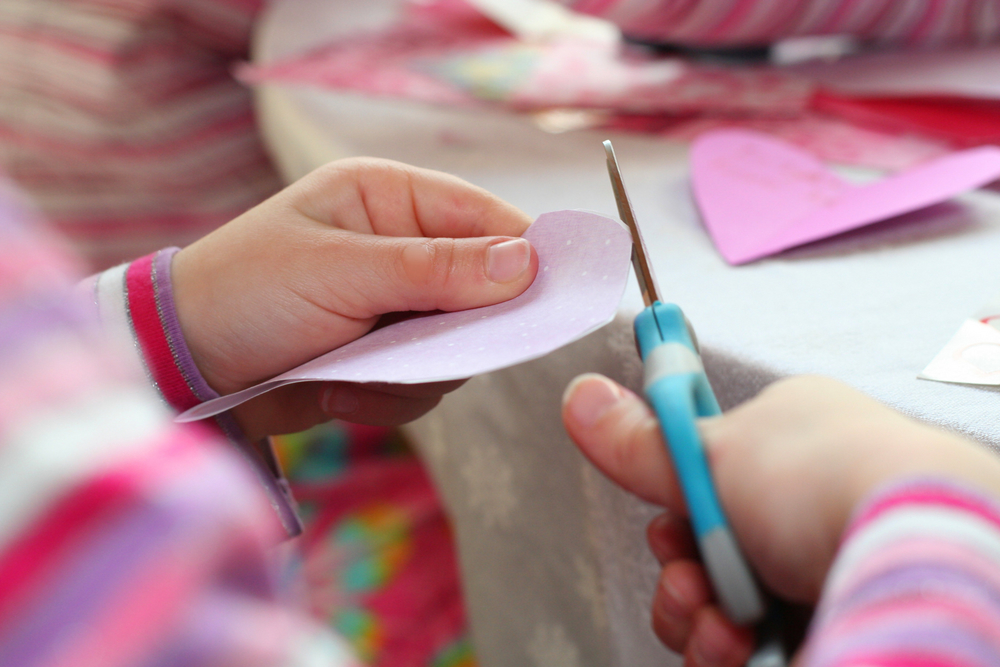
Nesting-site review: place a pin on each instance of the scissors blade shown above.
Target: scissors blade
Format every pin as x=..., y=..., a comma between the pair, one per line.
x=640, y=258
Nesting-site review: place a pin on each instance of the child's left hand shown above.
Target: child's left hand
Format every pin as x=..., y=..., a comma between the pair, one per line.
x=790, y=466
x=315, y=266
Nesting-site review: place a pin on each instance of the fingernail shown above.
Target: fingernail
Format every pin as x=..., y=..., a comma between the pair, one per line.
x=508, y=260
x=339, y=401
x=670, y=603
x=709, y=645
x=678, y=598
x=588, y=397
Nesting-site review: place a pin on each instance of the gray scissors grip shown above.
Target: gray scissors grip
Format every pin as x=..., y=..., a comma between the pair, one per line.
x=729, y=573
x=668, y=359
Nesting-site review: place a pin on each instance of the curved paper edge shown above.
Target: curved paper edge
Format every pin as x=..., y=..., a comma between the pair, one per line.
x=736, y=254
x=988, y=171
x=984, y=161
x=230, y=401
x=219, y=405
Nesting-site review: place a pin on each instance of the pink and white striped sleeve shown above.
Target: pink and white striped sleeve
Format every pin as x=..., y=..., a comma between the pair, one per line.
x=125, y=539
x=136, y=306
x=754, y=22
x=916, y=582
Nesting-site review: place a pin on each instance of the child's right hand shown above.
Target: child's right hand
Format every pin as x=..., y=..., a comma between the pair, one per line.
x=313, y=268
x=790, y=467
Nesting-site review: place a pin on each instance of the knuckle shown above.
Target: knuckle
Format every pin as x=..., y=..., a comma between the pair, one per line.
x=430, y=263
x=794, y=395
x=443, y=261
x=796, y=385
x=779, y=388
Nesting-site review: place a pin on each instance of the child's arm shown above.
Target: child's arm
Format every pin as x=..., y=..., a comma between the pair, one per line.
x=312, y=269
x=303, y=273
x=791, y=466
x=916, y=581
x=315, y=266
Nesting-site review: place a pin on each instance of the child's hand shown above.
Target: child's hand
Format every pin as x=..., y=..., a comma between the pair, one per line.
x=790, y=466
x=315, y=266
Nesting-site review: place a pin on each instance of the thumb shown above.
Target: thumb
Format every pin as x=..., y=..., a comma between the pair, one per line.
x=616, y=430
x=401, y=274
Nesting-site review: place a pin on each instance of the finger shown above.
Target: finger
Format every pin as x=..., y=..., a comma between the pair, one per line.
x=362, y=405
x=297, y=407
x=717, y=642
x=670, y=538
x=421, y=390
x=616, y=430
x=393, y=199
x=376, y=274
x=682, y=591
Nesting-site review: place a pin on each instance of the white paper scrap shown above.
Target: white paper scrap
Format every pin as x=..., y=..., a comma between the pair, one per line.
x=972, y=356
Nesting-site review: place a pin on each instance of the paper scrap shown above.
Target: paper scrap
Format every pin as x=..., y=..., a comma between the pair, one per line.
x=541, y=20
x=582, y=271
x=759, y=195
x=972, y=356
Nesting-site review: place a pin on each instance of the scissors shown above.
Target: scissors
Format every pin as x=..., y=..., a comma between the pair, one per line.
x=678, y=391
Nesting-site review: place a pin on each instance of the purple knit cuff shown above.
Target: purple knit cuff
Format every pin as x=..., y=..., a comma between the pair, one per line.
x=172, y=326
x=268, y=471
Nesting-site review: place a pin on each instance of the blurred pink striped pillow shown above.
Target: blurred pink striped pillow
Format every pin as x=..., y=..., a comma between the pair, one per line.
x=754, y=22
x=121, y=119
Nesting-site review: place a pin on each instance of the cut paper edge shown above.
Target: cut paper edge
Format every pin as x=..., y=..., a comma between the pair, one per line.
x=228, y=402
x=972, y=356
x=984, y=159
x=965, y=171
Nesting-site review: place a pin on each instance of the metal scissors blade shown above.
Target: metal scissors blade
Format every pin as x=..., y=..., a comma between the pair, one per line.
x=640, y=258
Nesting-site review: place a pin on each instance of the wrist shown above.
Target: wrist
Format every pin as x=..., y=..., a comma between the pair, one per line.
x=192, y=300
x=159, y=337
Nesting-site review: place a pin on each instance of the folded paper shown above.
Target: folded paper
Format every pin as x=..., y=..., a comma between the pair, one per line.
x=582, y=271
x=759, y=196
x=445, y=55
x=972, y=356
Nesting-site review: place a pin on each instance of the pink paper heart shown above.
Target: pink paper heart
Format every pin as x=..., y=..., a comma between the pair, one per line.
x=759, y=196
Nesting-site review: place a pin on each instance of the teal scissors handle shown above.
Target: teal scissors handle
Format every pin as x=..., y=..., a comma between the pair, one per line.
x=678, y=391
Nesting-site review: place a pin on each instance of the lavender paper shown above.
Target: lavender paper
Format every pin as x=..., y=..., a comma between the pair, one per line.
x=582, y=271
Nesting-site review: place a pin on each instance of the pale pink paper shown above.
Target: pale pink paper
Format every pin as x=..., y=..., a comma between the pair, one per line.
x=582, y=271
x=759, y=196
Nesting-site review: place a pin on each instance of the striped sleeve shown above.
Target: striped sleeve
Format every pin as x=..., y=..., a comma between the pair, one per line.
x=136, y=305
x=748, y=22
x=125, y=539
x=916, y=583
